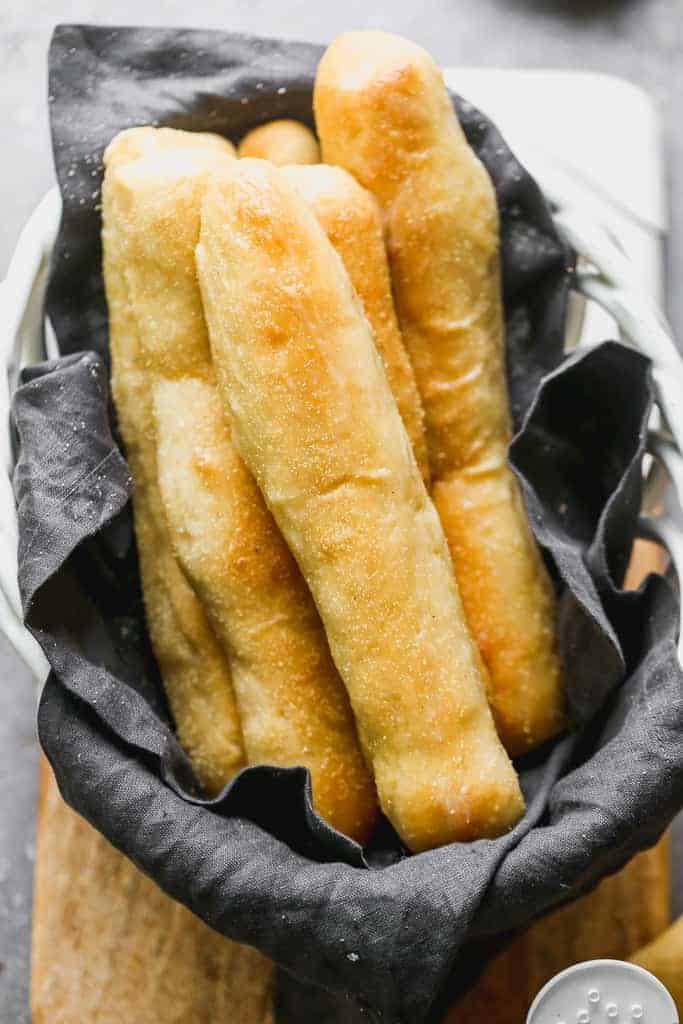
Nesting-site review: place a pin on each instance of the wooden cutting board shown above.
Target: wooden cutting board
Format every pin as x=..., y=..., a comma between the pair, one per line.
x=109, y=947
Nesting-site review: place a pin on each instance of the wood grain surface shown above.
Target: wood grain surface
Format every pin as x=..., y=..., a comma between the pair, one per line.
x=108, y=946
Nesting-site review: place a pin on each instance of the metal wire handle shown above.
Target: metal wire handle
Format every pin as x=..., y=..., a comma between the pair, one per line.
x=609, y=281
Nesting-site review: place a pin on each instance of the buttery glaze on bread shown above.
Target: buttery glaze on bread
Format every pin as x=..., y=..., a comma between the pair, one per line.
x=281, y=142
x=383, y=113
x=293, y=706
x=194, y=669
x=316, y=423
x=350, y=217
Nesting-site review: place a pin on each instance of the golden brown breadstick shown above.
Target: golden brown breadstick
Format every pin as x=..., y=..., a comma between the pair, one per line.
x=664, y=959
x=384, y=114
x=194, y=669
x=281, y=142
x=293, y=706
x=318, y=426
x=351, y=219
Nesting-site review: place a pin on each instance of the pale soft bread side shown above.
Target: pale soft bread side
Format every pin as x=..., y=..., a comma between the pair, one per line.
x=108, y=946
x=293, y=706
x=350, y=217
x=133, y=143
x=193, y=667
x=383, y=113
x=318, y=426
x=282, y=142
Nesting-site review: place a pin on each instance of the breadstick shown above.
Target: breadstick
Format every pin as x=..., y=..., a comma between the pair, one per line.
x=293, y=706
x=281, y=142
x=664, y=958
x=384, y=114
x=134, y=143
x=350, y=217
x=193, y=667
x=316, y=423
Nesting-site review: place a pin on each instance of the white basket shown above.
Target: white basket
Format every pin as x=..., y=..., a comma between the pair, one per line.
x=606, y=277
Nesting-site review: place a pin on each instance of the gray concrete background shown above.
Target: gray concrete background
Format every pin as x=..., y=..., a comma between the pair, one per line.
x=641, y=40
